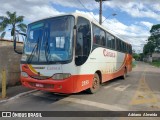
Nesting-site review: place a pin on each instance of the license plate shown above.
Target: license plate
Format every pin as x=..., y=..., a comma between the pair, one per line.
x=39, y=85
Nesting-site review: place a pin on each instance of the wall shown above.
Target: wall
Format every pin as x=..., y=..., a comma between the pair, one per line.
x=10, y=61
x=156, y=56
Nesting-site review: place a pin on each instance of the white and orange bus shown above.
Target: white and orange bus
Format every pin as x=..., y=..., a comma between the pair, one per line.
x=71, y=53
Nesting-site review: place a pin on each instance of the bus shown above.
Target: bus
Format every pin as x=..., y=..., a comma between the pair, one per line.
x=71, y=53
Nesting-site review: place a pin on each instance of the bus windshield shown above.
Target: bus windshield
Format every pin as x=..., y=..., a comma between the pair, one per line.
x=49, y=40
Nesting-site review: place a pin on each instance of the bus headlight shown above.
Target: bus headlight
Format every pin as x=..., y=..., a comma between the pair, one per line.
x=24, y=74
x=61, y=76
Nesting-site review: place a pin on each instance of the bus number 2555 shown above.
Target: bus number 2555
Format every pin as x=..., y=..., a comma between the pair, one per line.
x=85, y=82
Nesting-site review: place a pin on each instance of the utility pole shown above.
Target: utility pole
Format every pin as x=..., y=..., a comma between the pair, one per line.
x=100, y=10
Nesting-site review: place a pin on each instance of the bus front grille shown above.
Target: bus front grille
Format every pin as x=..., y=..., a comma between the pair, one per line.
x=40, y=77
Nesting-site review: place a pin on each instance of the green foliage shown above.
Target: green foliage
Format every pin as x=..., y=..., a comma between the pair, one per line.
x=154, y=28
x=148, y=48
x=156, y=63
x=141, y=56
x=136, y=56
x=13, y=21
x=133, y=63
x=153, y=44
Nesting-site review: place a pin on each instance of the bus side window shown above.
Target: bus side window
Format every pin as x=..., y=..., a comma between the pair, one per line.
x=110, y=41
x=98, y=37
x=123, y=47
x=117, y=44
x=79, y=44
x=113, y=43
x=83, y=42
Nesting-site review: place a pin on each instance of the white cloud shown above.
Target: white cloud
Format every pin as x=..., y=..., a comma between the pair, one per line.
x=8, y=35
x=39, y=12
x=156, y=7
x=81, y=4
x=31, y=9
x=134, y=8
x=91, y=15
x=147, y=24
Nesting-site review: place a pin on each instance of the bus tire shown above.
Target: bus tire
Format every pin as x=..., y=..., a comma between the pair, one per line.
x=125, y=74
x=95, y=85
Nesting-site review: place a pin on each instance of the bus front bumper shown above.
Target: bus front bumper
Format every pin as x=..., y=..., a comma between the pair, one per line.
x=57, y=86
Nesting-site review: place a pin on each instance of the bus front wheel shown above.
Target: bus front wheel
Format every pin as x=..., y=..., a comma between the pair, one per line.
x=95, y=84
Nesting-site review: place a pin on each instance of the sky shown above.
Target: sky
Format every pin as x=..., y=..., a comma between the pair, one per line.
x=132, y=23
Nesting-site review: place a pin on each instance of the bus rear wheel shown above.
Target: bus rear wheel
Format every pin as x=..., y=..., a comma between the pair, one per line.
x=95, y=85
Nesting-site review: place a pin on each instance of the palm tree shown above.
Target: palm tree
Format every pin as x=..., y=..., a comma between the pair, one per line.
x=14, y=22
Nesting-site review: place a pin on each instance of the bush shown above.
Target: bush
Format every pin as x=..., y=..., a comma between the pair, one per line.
x=156, y=63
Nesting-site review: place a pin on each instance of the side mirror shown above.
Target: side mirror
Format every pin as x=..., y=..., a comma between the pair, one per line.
x=15, y=43
x=15, y=46
x=75, y=27
x=23, y=34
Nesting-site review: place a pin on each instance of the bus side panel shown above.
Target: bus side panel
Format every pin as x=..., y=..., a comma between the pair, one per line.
x=107, y=77
x=110, y=63
x=129, y=63
x=83, y=82
x=119, y=71
x=82, y=75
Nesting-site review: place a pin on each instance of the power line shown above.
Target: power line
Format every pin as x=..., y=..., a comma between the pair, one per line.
x=103, y=25
x=91, y=14
x=86, y=9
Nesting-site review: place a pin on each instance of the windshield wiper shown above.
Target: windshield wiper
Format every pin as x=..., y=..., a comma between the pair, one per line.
x=47, y=50
x=35, y=47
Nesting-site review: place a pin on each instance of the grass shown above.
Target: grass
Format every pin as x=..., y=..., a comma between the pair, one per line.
x=156, y=63
x=133, y=64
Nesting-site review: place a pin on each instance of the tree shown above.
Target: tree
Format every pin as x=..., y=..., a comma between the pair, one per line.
x=153, y=44
x=141, y=56
x=148, y=48
x=136, y=56
x=14, y=22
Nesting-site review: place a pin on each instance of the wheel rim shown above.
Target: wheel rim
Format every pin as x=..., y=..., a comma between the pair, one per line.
x=95, y=83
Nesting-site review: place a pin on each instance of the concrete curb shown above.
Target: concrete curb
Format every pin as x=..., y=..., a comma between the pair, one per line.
x=18, y=95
